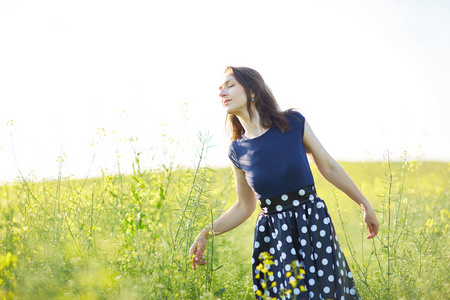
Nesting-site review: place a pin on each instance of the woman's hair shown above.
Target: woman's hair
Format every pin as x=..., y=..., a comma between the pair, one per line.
x=265, y=103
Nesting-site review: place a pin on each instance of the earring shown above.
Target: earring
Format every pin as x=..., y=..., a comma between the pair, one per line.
x=253, y=99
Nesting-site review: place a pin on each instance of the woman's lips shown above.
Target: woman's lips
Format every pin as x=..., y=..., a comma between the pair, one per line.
x=226, y=102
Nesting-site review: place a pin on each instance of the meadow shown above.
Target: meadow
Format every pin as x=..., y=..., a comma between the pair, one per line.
x=126, y=236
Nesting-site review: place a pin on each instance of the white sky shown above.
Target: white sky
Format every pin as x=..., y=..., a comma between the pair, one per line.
x=369, y=76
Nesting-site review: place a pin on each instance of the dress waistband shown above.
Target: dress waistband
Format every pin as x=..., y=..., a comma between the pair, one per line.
x=288, y=201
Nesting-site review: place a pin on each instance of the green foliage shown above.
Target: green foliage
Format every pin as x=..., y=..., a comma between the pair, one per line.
x=127, y=236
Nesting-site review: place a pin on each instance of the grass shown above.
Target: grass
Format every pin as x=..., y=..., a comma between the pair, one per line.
x=121, y=236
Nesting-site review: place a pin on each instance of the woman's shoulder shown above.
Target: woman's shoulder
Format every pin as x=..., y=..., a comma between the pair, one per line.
x=294, y=115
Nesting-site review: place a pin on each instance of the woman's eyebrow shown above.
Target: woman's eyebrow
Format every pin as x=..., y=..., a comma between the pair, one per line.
x=226, y=82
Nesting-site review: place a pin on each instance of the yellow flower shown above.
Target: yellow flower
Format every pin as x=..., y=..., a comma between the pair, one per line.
x=302, y=288
x=288, y=274
x=288, y=292
x=293, y=282
x=263, y=285
x=257, y=276
x=259, y=267
x=302, y=271
x=258, y=292
x=274, y=284
x=270, y=273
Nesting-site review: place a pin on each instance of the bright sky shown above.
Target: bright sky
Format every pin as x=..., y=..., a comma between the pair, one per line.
x=369, y=76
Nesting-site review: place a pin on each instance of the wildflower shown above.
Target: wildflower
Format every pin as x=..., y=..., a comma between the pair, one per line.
x=302, y=271
x=274, y=284
x=302, y=288
x=257, y=276
x=293, y=282
x=270, y=273
x=263, y=285
x=259, y=267
x=258, y=292
x=288, y=274
x=288, y=292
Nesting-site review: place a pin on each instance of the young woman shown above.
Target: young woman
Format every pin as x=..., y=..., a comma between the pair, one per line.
x=296, y=251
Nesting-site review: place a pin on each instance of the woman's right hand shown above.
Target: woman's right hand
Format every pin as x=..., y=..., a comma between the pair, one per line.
x=197, y=249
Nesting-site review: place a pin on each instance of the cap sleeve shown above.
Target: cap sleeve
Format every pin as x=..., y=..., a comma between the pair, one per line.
x=233, y=157
x=297, y=122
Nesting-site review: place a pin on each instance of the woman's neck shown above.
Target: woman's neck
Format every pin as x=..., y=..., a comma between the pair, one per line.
x=253, y=127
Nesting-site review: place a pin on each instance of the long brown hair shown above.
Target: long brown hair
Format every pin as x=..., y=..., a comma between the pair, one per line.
x=265, y=103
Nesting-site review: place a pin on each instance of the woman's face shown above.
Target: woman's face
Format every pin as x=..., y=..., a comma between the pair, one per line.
x=234, y=98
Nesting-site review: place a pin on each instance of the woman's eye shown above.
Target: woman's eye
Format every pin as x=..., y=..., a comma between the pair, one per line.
x=231, y=86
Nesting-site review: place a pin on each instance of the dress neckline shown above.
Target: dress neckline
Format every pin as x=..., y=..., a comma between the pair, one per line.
x=244, y=137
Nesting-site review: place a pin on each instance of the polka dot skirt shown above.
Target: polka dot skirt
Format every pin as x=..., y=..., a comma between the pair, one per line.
x=296, y=253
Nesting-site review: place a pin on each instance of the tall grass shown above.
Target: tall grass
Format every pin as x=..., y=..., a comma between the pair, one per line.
x=121, y=236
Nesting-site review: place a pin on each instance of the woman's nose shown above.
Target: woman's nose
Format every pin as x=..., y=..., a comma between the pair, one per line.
x=223, y=93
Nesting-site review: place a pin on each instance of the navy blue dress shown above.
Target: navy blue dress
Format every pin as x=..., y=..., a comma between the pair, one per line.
x=296, y=253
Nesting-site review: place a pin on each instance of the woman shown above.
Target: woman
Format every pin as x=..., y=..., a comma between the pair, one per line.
x=295, y=251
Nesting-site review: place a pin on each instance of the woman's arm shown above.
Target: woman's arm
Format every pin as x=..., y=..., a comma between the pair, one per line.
x=233, y=217
x=334, y=173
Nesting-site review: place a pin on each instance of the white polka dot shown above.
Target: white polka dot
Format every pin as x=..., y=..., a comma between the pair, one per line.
x=326, y=220
x=304, y=229
x=253, y=260
x=329, y=249
x=343, y=264
x=316, y=255
x=284, y=227
x=303, y=242
x=274, y=235
x=273, y=220
x=293, y=251
x=342, y=272
x=261, y=228
x=311, y=197
x=279, y=274
x=284, y=197
x=290, y=213
x=331, y=278
x=268, y=201
x=320, y=273
x=314, y=228
x=311, y=281
x=350, y=275
x=317, y=216
x=312, y=269
x=256, y=244
x=301, y=192
x=319, y=245
x=279, y=208
x=309, y=211
x=283, y=256
x=279, y=244
x=319, y=205
x=296, y=291
x=289, y=239
x=296, y=203
x=322, y=233
x=352, y=291
x=266, y=239
x=296, y=214
x=272, y=250
x=287, y=267
x=255, y=288
x=280, y=216
x=342, y=298
x=275, y=289
x=337, y=263
x=339, y=281
x=304, y=217
x=276, y=262
x=303, y=254
x=339, y=254
x=271, y=277
x=347, y=290
x=311, y=295
x=326, y=290
x=325, y=261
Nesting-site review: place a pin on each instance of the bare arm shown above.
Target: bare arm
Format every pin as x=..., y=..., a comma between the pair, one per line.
x=334, y=173
x=233, y=217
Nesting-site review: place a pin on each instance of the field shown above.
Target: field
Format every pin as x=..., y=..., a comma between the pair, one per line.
x=127, y=236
